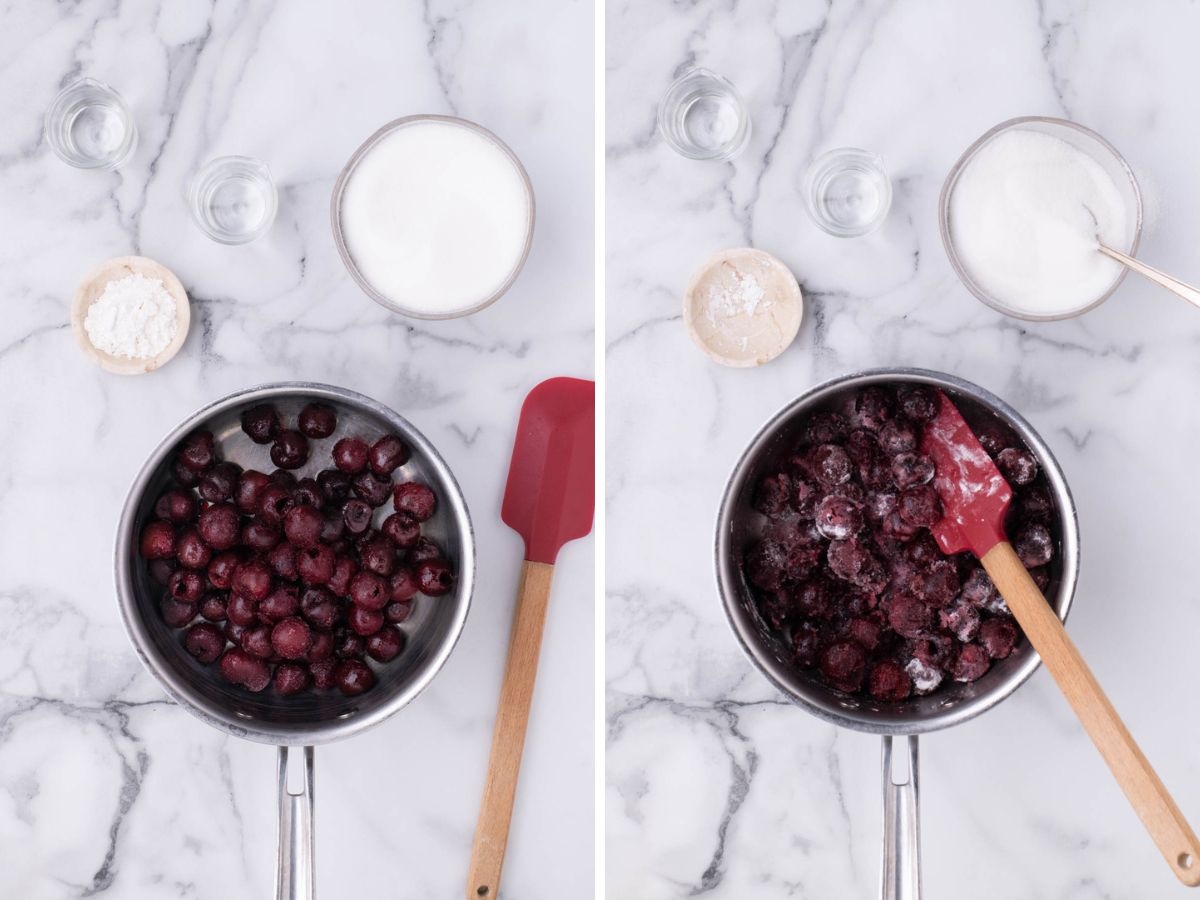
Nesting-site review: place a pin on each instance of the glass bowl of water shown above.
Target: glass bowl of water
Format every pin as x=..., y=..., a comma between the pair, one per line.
x=232, y=199
x=702, y=116
x=848, y=192
x=88, y=126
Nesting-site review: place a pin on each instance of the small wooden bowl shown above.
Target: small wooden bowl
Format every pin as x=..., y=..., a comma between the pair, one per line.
x=91, y=289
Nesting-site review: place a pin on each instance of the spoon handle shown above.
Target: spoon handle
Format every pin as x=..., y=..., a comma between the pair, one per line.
x=1131, y=769
x=1174, y=285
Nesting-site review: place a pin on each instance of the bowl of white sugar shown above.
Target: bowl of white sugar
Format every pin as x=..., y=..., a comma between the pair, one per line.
x=130, y=315
x=433, y=217
x=1024, y=211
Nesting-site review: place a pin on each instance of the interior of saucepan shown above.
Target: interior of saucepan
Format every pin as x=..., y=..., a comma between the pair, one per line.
x=1082, y=139
x=431, y=630
x=741, y=525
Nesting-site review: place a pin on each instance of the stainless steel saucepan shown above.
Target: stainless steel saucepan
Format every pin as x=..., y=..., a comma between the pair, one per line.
x=952, y=704
x=301, y=720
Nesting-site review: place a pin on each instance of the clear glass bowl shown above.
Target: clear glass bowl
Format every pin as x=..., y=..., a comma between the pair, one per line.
x=1079, y=137
x=233, y=199
x=88, y=126
x=702, y=116
x=848, y=192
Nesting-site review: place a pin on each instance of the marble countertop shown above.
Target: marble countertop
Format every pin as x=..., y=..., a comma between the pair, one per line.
x=105, y=786
x=715, y=784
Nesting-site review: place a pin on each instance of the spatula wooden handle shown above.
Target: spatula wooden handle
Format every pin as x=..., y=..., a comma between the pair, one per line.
x=1133, y=772
x=508, y=736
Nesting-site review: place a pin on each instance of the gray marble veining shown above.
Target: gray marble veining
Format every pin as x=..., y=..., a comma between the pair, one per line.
x=715, y=785
x=106, y=788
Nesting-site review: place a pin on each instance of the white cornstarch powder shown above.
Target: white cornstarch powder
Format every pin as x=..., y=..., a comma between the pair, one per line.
x=135, y=317
x=1027, y=215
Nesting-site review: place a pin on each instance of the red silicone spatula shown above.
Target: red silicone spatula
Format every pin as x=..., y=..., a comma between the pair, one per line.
x=975, y=498
x=549, y=500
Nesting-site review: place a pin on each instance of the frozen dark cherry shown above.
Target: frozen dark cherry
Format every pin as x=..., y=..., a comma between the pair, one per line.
x=1019, y=466
x=970, y=664
x=369, y=591
x=871, y=408
x=291, y=678
x=183, y=475
x=219, y=482
x=308, y=492
x=353, y=677
x=887, y=681
x=378, y=554
x=220, y=526
x=998, y=637
x=348, y=645
x=177, y=505
x=191, y=551
x=315, y=564
x=248, y=493
x=356, y=515
x=291, y=638
x=322, y=673
x=158, y=540
x=282, y=602
x=282, y=560
x=423, y=550
x=239, y=667
x=220, y=570
x=773, y=497
x=187, y=586
x=843, y=663
x=1034, y=545
x=252, y=579
x=897, y=436
x=397, y=611
x=256, y=641
x=838, y=517
x=351, y=454
x=317, y=420
x=830, y=465
x=322, y=646
x=918, y=402
x=335, y=484
x=344, y=570
x=241, y=610
x=290, y=450
x=435, y=577
x=212, y=607
x=911, y=469
x=320, y=608
x=372, y=488
x=204, y=641
x=920, y=506
x=403, y=584
x=402, y=529
x=175, y=612
x=416, y=499
x=364, y=622
x=385, y=644
x=198, y=451
x=274, y=503
x=302, y=525
x=387, y=455
x=259, y=536
x=909, y=617
x=261, y=423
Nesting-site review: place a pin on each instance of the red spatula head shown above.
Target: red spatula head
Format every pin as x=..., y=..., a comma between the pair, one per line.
x=551, y=493
x=974, y=494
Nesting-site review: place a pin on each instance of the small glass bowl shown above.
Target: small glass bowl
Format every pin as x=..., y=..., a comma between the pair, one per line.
x=88, y=126
x=847, y=192
x=1079, y=137
x=233, y=199
x=702, y=116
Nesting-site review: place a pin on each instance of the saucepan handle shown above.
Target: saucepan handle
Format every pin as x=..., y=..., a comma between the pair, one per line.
x=295, y=878
x=901, y=821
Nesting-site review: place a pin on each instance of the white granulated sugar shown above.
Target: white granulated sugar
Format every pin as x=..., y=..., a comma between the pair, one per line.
x=135, y=317
x=1027, y=215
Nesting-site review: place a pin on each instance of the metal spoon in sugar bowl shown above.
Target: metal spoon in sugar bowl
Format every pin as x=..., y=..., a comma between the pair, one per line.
x=1162, y=279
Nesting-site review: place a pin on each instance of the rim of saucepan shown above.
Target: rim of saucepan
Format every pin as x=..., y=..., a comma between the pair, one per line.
x=339, y=238
x=820, y=700
x=957, y=170
x=215, y=714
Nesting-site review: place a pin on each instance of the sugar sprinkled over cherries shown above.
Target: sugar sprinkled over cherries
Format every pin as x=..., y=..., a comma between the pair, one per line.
x=282, y=581
x=845, y=569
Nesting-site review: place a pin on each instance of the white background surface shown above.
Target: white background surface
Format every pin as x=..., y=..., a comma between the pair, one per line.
x=105, y=787
x=716, y=785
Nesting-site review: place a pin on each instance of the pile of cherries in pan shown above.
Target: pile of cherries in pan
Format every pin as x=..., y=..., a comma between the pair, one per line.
x=284, y=580
x=846, y=570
